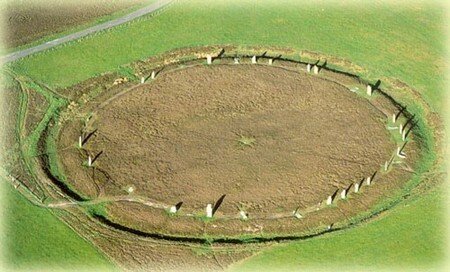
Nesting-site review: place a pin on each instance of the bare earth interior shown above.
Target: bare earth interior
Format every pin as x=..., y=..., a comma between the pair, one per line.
x=178, y=138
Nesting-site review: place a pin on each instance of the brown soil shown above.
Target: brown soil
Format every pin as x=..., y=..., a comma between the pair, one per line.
x=179, y=138
x=27, y=21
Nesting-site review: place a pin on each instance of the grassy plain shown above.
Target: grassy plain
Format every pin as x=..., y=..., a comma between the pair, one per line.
x=36, y=239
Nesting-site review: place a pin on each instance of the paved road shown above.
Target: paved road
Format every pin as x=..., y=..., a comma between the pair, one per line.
x=131, y=16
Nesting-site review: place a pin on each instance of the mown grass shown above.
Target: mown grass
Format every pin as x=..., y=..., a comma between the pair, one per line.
x=409, y=237
x=371, y=35
x=33, y=238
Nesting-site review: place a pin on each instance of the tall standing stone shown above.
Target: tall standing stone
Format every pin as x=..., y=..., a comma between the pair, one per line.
x=308, y=68
x=209, y=211
x=254, y=59
x=208, y=59
x=89, y=161
x=80, y=142
x=270, y=61
x=142, y=80
x=369, y=90
x=153, y=75
x=316, y=69
x=356, y=187
x=329, y=200
x=343, y=194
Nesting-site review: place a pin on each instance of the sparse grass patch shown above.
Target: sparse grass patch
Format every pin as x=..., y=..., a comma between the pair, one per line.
x=246, y=141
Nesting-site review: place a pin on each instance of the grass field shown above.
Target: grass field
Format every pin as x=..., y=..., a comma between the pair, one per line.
x=37, y=239
x=404, y=41
x=371, y=36
x=415, y=240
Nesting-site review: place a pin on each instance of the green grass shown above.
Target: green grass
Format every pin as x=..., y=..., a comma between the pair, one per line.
x=82, y=26
x=409, y=237
x=98, y=209
x=371, y=35
x=34, y=238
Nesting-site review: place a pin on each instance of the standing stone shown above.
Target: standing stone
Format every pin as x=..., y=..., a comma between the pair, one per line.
x=369, y=180
x=316, y=69
x=369, y=90
x=344, y=194
x=142, y=80
x=89, y=161
x=153, y=75
x=394, y=118
x=130, y=189
x=329, y=200
x=401, y=128
x=243, y=215
x=270, y=61
x=356, y=187
x=297, y=215
x=209, y=211
x=400, y=153
x=80, y=142
x=386, y=165
x=404, y=135
x=208, y=59
x=236, y=60
x=173, y=209
x=308, y=68
x=254, y=59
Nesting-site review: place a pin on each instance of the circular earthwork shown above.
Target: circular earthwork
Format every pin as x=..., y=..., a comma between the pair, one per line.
x=276, y=150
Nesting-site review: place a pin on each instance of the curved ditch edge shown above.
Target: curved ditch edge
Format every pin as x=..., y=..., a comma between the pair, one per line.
x=248, y=240
x=45, y=166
